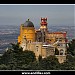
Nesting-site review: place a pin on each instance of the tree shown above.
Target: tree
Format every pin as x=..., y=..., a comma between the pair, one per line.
x=71, y=49
x=39, y=58
x=3, y=67
x=16, y=47
x=26, y=57
x=69, y=64
x=49, y=63
x=35, y=65
x=15, y=57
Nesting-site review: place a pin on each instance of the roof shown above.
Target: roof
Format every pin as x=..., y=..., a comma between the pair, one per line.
x=28, y=24
x=57, y=32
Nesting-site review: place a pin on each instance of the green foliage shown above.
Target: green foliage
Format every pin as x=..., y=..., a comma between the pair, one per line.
x=16, y=48
x=70, y=62
x=49, y=63
x=26, y=67
x=39, y=58
x=17, y=59
x=3, y=67
x=71, y=49
x=35, y=65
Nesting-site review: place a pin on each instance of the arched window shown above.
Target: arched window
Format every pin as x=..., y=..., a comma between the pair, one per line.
x=56, y=51
x=61, y=52
x=37, y=48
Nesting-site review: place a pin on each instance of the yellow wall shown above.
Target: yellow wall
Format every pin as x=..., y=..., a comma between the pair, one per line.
x=29, y=32
x=19, y=39
x=51, y=38
x=20, y=36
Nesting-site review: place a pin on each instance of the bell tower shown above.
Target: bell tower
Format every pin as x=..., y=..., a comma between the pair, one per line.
x=43, y=24
x=43, y=29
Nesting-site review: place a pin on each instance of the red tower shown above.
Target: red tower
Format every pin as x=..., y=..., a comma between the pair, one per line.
x=43, y=23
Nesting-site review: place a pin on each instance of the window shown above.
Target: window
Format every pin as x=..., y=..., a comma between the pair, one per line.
x=30, y=41
x=60, y=40
x=36, y=48
x=56, y=51
x=61, y=52
x=50, y=40
x=58, y=44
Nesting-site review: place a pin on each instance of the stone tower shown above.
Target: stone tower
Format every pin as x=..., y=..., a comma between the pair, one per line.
x=43, y=28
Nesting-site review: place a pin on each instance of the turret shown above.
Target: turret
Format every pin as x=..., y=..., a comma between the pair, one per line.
x=43, y=24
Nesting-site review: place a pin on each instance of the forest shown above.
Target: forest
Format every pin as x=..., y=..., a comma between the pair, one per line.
x=17, y=59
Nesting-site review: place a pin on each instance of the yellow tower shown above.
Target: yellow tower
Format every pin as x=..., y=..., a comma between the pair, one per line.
x=27, y=30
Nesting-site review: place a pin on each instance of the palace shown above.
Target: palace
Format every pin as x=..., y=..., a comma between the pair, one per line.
x=42, y=42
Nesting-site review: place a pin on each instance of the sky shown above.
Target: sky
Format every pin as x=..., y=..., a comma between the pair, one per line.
x=18, y=14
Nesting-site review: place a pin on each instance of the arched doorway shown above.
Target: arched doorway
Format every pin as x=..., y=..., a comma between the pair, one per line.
x=56, y=51
x=61, y=52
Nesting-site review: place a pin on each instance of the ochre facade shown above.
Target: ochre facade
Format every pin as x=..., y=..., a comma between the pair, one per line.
x=41, y=41
x=28, y=32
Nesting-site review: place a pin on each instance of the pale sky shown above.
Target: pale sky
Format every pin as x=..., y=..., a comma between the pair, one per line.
x=18, y=14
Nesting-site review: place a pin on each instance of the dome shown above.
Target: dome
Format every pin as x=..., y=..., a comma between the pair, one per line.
x=28, y=24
